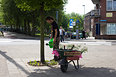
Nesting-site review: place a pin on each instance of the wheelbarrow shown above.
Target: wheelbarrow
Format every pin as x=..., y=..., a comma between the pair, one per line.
x=67, y=56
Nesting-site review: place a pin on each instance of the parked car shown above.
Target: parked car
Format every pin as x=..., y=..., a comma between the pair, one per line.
x=73, y=36
x=68, y=35
x=80, y=35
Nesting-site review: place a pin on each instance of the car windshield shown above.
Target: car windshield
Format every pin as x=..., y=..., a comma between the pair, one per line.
x=74, y=33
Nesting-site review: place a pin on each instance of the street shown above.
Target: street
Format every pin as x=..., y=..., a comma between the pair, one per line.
x=99, y=61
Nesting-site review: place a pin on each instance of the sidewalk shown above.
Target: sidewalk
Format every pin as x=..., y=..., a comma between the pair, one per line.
x=14, y=35
x=90, y=39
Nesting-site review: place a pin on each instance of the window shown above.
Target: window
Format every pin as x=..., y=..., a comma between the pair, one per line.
x=114, y=4
x=111, y=5
x=111, y=28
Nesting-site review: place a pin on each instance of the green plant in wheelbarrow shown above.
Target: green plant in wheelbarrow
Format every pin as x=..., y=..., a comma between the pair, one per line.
x=82, y=49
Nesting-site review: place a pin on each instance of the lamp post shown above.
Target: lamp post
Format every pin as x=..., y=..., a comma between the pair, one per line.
x=84, y=9
x=84, y=17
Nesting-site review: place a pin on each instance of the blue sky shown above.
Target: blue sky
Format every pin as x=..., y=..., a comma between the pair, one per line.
x=77, y=6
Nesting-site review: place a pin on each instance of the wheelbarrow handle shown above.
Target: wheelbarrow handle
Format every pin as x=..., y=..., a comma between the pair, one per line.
x=72, y=47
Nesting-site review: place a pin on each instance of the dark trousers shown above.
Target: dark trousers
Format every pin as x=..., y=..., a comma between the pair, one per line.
x=61, y=38
x=56, y=44
x=84, y=36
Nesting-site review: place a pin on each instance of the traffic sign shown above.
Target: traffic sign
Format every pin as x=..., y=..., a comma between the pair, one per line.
x=77, y=21
x=71, y=22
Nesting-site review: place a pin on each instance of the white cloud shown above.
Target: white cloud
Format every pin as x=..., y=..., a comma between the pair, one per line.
x=77, y=6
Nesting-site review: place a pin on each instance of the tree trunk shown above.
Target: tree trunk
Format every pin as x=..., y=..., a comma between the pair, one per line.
x=11, y=27
x=17, y=24
x=22, y=28
x=33, y=29
x=25, y=27
x=28, y=28
x=33, y=24
x=42, y=33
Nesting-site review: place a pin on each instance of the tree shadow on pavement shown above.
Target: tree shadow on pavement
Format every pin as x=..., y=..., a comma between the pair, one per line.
x=13, y=35
x=71, y=72
x=13, y=61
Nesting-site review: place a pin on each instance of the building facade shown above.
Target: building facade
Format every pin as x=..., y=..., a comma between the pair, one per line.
x=102, y=19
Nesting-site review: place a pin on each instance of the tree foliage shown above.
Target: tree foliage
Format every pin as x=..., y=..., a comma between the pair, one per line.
x=76, y=17
x=36, y=4
x=41, y=6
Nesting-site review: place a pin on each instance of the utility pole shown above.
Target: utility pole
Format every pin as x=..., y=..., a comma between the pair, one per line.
x=84, y=9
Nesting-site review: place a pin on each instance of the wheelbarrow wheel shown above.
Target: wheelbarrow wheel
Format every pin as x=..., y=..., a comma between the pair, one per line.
x=63, y=68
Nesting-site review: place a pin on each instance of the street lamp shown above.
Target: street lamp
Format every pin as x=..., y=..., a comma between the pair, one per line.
x=84, y=9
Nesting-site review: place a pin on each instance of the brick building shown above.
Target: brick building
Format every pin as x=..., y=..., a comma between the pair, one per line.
x=101, y=21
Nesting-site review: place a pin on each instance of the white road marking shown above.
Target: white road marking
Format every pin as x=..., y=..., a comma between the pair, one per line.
x=24, y=41
x=88, y=43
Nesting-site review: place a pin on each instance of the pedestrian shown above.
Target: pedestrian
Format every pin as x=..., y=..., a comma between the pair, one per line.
x=65, y=34
x=1, y=30
x=83, y=34
x=54, y=33
x=62, y=33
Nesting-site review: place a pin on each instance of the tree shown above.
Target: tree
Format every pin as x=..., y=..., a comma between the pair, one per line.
x=11, y=14
x=42, y=6
x=19, y=20
x=76, y=17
